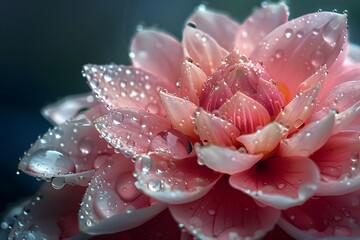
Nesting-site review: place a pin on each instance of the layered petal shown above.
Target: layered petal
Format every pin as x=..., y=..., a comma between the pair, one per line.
x=130, y=130
x=302, y=46
x=225, y=160
x=158, y=53
x=279, y=182
x=122, y=86
x=259, y=24
x=225, y=213
x=327, y=217
x=112, y=203
x=338, y=162
x=204, y=51
x=215, y=130
x=245, y=113
x=173, y=181
x=66, y=154
x=217, y=25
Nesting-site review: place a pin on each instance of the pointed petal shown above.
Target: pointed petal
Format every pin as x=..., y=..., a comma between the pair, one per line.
x=225, y=213
x=309, y=139
x=259, y=24
x=269, y=95
x=225, y=160
x=215, y=96
x=112, y=203
x=265, y=140
x=245, y=113
x=67, y=108
x=193, y=78
x=279, y=182
x=331, y=217
x=215, y=130
x=121, y=86
x=338, y=162
x=158, y=53
x=130, y=130
x=66, y=154
x=173, y=181
x=180, y=112
x=297, y=112
x=302, y=46
x=217, y=25
x=202, y=49
x=40, y=219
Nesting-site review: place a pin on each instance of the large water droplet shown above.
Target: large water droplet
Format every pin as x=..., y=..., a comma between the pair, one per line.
x=106, y=203
x=330, y=33
x=195, y=222
x=50, y=162
x=155, y=185
x=288, y=33
x=118, y=117
x=331, y=172
x=86, y=145
x=58, y=182
x=126, y=188
x=317, y=59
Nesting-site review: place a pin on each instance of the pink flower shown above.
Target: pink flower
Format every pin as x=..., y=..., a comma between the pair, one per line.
x=238, y=130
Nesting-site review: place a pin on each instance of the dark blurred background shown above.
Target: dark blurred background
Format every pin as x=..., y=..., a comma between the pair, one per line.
x=43, y=45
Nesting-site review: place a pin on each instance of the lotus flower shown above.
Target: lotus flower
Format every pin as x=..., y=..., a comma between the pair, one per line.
x=241, y=131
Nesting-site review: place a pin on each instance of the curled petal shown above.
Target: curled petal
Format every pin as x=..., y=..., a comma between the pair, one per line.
x=69, y=107
x=202, y=49
x=297, y=112
x=338, y=162
x=42, y=215
x=159, y=53
x=130, y=130
x=259, y=24
x=302, y=46
x=327, y=217
x=269, y=95
x=245, y=113
x=193, y=78
x=225, y=213
x=214, y=130
x=173, y=181
x=279, y=182
x=309, y=139
x=218, y=94
x=265, y=140
x=225, y=160
x=217, y=25
x=180, y=112
x=121, y=86
x=112, y=203
x=66, y=154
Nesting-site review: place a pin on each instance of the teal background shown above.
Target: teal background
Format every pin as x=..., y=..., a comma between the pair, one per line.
x=43, y=45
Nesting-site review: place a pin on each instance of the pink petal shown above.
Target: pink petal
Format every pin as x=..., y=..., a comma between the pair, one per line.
x=213, y=97
x=279, y=182
x=302, y=46
x=121, y=86
x=330, y=217
x=309, y=139
x=217, y=25
x=265, y=140
x=130, y=130
x=225, y=160
x=171, y=180
x=193, y=78
x=338, y=162
x=259, y=24
x=225, y=213
x=215, y=130
x=180, y=112
x=67, y=108
x=297, y=112
x=202, y=49
x=245, y=113
x=112, y=203
x=41, y=215
x=159, y=53
x=66, y=154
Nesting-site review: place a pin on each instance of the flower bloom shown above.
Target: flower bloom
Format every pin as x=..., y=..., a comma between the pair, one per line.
x=241, y=131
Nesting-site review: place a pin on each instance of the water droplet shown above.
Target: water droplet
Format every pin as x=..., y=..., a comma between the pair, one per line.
x=195, y=222
x=86, y=145
x=145, y=164
x=108, y=77
x=279, y=54
x=292, y=217
x=58, y=182
x=281, y=185
x=317, y=59
x=106, y=203
x=337, y=218
x=155, y=185
x=329, y=32
x=125, y=187
x=288, y=33
x=315, y=31
x=191, y=24
x=50, y=162
x=118, y=117
x=331, y=172
x=300, y=34
x=211, y=212
x=130, y=144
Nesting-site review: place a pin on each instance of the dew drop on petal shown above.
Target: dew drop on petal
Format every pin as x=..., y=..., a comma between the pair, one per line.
x=331, y=172
x=126, y=189
x=106, y=203
x=288, y=33
x=58, y=182
x=86, y=145
x=195, y=222
x=317, y=59
x=155, y=185
x=117, y=117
